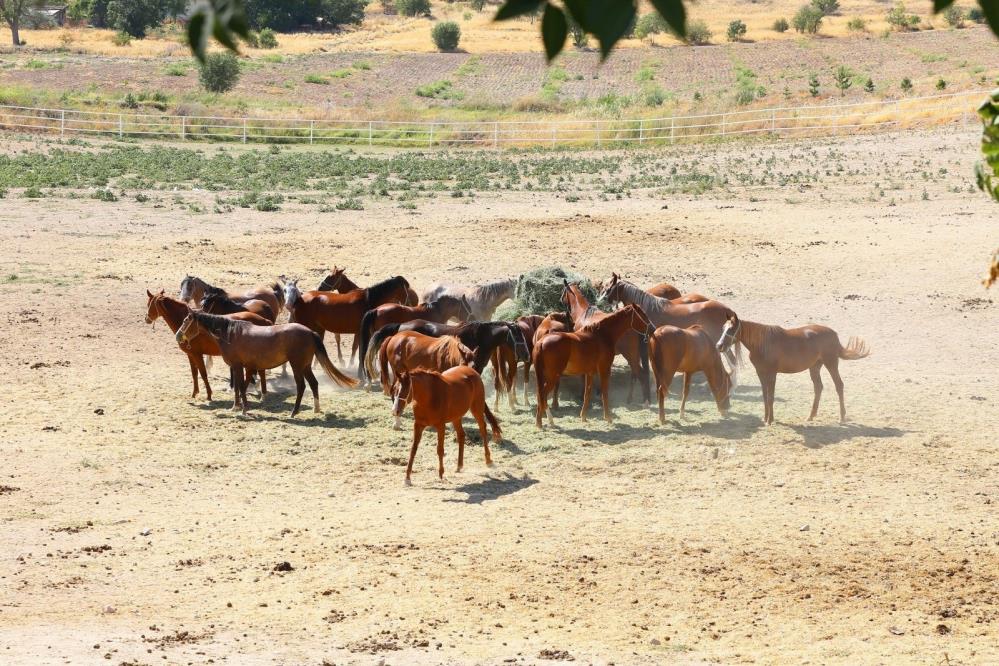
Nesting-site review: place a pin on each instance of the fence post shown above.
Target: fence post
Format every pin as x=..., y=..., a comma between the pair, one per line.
x=62, y=123
x=672, y=124
x=312, y=125
x=495, y=135
x=244, y=130
x=121, y=126
x=369, y=133
x=641, y=131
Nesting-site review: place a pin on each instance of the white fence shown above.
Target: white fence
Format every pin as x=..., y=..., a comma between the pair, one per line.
x=781, y=121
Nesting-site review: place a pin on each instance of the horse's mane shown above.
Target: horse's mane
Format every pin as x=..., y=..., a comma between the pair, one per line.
x=215, y=324
x=448, y=351
x=278, y=291
x=377, y=291
x=757, y=337
x=491, y=291
x=644, y=299
x=612, y=317
x=218, y=296
x=326, y=284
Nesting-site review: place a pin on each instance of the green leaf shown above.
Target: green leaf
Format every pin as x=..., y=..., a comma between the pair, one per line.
x=554, y=31
x=514, y=8
x=609, y=22
x=197, y=35
x=675, y=14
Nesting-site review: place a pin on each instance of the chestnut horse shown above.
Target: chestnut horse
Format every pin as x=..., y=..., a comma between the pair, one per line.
x=587, y=351
x=438, y=311
x=324, y=311
x=483, y=299
x=711, y=315
x=687, y=350
x=252, y=347
x=193, y=289
x=440, y=398
x=216, y=302
x=665, y=290
x=338, y=281
x=410, y=350
x=632, y=346
x=173, y=313
x=774, y=350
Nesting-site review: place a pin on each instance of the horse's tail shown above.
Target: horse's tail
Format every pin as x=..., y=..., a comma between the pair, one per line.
x=383, y=362
x=493, y=422
x=278, y=294
x=855, y=349
x=367, y=322
x=371, y=347
x=335, y=375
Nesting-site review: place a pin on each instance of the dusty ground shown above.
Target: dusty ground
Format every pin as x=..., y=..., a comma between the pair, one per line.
x=142, y=527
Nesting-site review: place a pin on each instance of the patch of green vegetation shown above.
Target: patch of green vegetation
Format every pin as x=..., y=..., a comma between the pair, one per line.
x=439, y=90
x=318, y=79
x=470, y=67
x=273, y=58
x=176, y=69
x=361, y=64
x=42, y=64
x=341, y=73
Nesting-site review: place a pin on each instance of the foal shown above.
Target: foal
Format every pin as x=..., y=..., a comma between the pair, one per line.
x=773, y=350
x=440, y=398
x=687, y=350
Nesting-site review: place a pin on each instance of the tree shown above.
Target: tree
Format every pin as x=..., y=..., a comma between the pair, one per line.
x=813, y=85
x=808, y=20
x=650, y=25
x=736, y=30
x=446, y=35
x=698, y=33
x=135, y=16
x=781, y=25
x=869, y=86
x=413, y=7
x=219, y=72
x=954, y=16
x=827, y=7
x=899, y=19
x=12, y=12
x=842, y=77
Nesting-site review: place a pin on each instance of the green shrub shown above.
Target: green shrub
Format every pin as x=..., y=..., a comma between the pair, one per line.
x=121, y=38
x=906, y=84
x=268, y=203
x=32, y=192
x=843, y=79
x=827, y=7
x=413, y=7
x=439, y=90
x=746, y=89
x=351, y=203
x=736, y=30
x=446, y=35
x=653, y=96
x=976, y=15
x=649, y=25
x=104, y=194
x=941, y=84
x=129, y=102
x=477, y=5
x=808, y=20
x=954, y=16
x=252, y=40
x=856, y=24
x=698, y=33
x=220, y=72
x=176, y=69
x=813, y=85
x=900, y=20
x=267, y=39
x=781, y=25
x=318, y=79
x=869, y=85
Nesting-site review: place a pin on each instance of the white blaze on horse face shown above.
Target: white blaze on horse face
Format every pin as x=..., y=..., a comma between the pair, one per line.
x=725, y=341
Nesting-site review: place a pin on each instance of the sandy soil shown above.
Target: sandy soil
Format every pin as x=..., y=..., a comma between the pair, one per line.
x=141, y=527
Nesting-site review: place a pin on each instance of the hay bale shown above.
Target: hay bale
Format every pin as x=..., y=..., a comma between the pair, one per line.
x=538, y=292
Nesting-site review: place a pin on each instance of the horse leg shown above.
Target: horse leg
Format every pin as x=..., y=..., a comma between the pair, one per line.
x=194, y=374
x=299, y=388
x=263, y=383
x=417, y=435
x=339, y=352
x=235, y=377
x=817, y=385
x=605, y=392
x=686, y=391
x=555, y=388
x=353, y=348
x=587, y=389
x=771, y=393
x=310, y=377
x=833, y=367
x=527, y=381
x=204, y=376
x=543, y=388
x=480, y=419
x=240, y=388
x=460, y=434
x=440, y=451
x=511, y=385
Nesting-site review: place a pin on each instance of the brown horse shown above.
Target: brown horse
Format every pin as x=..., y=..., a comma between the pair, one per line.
x=673, y=295
x=505, y=359
x=324, y=311
x=774, y=350
x=711, y=315
x=438, y=310
x=259, y=348
x=173, y=313
x=409, y=350
x=338, y=281
x=632, y=346
x=445, y=397
x=216, y=302
x=687, y=350
x=194, y=289
x=586, y=352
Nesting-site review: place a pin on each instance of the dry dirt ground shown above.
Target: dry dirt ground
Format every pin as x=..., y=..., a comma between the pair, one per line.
x=143, y=527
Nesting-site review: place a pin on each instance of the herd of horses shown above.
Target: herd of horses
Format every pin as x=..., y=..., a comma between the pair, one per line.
x=421, y=359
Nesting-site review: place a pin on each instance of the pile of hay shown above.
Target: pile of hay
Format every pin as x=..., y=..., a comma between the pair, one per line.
x=538, y=292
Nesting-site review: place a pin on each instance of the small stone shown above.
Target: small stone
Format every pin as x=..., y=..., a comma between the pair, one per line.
x=108, y=610
x=145, y=532
x=896, y=631
x=804, y=528
x=655, y=641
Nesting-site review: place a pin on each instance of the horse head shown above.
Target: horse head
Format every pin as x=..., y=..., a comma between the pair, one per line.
x=187, y=288
x=291, y=294
x=729, y=334
x=611, y=292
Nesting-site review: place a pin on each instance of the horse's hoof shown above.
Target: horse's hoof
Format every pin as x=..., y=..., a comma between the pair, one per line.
x=457, y=470
x=409, y=482
x=490, y=463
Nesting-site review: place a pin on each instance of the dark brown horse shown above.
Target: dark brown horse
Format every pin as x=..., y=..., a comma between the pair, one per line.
x=324, y=311
x=687, y=350
x=672, y=294
x=173, y=312
x=193, y=289
x=245, y=346
x=438, y=311
x=774, y=350
x=506, y=358
x=445, y=397
x=216, y=302
x=588, y=351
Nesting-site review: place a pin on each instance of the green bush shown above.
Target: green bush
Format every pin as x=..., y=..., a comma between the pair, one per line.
x=698, y=33
x=129, y=102
x=220, y=72
x=856, y=24
x=813, y=85
x=736, y=30
x=104, y=194
x=267, y=39
x=649, y=25
x=827, y=7
x=252, y=40
x=781, y=25
x=906, y=85
x=135, y=17
x=413, y=7
x=869, y=85
x=439, y=90
x=446, y=35
x=808, y=20
x=954, y=16
x=268, y=203
x=746, y=90
x=900, y=20
x=941, y=84
x=121, y=38
x=976, y=15
x=478, y=5
x=653, y=95
x=318, y=79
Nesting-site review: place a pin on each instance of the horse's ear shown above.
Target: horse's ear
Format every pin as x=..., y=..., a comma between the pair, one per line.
x=565, y=283
x=149, y=294
x=162, y=292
